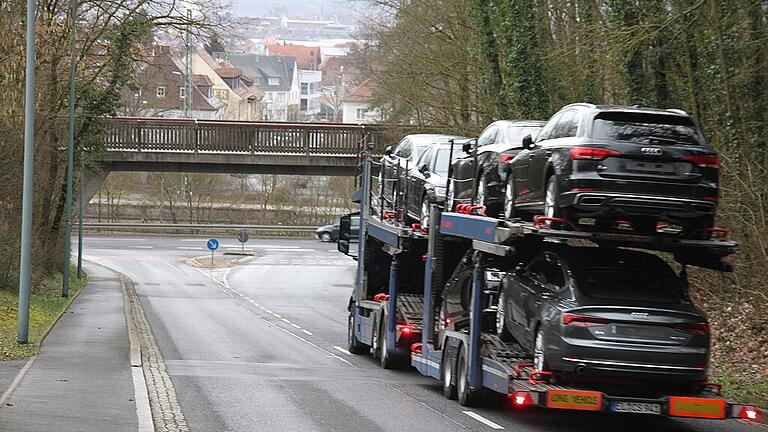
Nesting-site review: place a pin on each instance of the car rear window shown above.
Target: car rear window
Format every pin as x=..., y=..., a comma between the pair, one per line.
x=646, y=129
x=627, y=285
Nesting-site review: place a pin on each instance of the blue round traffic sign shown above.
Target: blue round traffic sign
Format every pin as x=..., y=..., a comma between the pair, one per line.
x=212, y=244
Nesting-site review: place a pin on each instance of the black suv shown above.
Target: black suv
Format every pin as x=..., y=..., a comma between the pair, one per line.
x=608, y=164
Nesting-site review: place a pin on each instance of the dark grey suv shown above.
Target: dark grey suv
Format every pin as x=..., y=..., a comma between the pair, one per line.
x=608, y=164
x=588, y=311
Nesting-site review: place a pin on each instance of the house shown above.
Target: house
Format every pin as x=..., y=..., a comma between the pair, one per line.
x=278, y=78
x=356, y=106
x=161, y=90
x=243, y=102
x=307, y=57
x=311, y=91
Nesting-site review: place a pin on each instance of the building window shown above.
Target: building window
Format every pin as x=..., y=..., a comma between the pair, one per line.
x=160, y=92
x=304, y=88
x=182, y=92
x=273, y=81
x=303, y=105
x=281, y=97
x=137, y=93
x=360, y=113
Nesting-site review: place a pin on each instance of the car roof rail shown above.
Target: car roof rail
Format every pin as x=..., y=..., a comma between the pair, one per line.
x=581, y=104
x=677, y=111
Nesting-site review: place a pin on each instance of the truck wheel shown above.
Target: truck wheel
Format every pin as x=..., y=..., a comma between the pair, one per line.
x=467, y=396
x=354, y=346
x=446, y=376
x=387, y=360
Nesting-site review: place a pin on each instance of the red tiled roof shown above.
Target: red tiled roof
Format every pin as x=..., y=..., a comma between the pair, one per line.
x=202, y=81
x=229, y=72
x=362, y=93
x=307, y=57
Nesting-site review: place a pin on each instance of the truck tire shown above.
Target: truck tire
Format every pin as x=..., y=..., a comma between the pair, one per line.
x=354, y=346
x=447, y=376
x=467, y=397
x=387, y=360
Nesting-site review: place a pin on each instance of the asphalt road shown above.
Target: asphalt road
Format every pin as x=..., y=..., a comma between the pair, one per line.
x=259, y=346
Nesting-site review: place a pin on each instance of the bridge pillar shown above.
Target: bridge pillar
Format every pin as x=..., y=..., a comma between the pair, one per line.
x=94, y=178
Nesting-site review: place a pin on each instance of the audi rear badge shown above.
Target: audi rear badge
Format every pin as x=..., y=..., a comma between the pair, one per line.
x=653, y=151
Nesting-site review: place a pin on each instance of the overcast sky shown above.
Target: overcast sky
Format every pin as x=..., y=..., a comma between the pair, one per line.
x=301, y=9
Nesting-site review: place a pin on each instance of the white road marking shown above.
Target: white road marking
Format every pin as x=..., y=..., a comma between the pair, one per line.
x=338, y=348
x=275, y=315
x=483, y=420
x=314, y=345
x=189, y=248
x=269, y=311
x=288, y=250
x=262, y=308
x=307, y=332
x=296, y=326
x=142, y=247
x=285, y=320
x=111, y=239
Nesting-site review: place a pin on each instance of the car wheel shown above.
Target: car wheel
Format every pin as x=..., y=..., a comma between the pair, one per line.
x=501, y=320
x=446, y=376
x=354, y=346
x=424, y=220
x=551, y=208
x=509, y=200
x=326, y=237
x=467, y=396
x=539, y=362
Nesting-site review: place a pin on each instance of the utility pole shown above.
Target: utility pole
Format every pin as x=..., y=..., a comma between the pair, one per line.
x=188, y=84
x=70, y=148
x=25, y=271
x=80, y=215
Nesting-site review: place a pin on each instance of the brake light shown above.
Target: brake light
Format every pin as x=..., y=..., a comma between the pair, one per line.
x=583, y=320
x=592, y=153
x=693, y=328
x=405, y=330
x=522, y=398
x=749, y=413
x=703, y=161
x=506, y=157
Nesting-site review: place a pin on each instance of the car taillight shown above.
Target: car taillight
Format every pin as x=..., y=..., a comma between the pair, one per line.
x=703, y=161
x=583, y=320
x=693, y=328
x=749, y=413
x=521, y=398
x=405, y=330
x=592, y=153
x=506, y=157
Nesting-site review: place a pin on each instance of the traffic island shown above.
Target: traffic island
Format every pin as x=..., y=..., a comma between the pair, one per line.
x=220, y=260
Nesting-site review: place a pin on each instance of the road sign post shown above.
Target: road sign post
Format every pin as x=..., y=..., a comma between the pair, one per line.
x=70, y=148
x=242, y=237
x=212, y=245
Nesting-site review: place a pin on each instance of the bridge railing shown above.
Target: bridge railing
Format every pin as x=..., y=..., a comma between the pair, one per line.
x=222, y=136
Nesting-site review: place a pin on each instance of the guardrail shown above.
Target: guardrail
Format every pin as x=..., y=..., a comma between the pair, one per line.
x=257, y=230
x=224, y=136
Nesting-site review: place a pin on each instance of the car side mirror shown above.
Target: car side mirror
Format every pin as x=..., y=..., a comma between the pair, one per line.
x=424, y=170
x=388, y=151
x=518, y=270
x=527, y=142
x=467, y=147
x=343, y=246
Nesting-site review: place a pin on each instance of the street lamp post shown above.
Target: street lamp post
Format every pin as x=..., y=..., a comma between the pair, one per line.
x=70, y=148
x=25, y=271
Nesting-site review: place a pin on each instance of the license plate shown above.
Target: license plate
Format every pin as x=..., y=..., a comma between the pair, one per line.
x=575, y=399
x=638, y=332
x=636, y=407
x=651, y=167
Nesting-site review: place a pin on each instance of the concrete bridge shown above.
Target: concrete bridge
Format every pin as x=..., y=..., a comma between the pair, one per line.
x=232, y=147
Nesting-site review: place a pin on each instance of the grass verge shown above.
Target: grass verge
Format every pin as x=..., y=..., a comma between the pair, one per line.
x=45, y=305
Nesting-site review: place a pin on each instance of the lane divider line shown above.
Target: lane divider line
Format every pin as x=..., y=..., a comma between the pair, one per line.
x=338, y=348
x=483, y=420
x=296, y=326
x=315, y=345
x=307, y=332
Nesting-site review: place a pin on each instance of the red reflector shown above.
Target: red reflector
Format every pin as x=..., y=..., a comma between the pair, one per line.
x=583, y=190
x=708, y=198
x=522, y=399
x=703, y=161
x=506, y=157
x=693, y=328
x=749, y=413
x=592, y=153
x=583, y=320
x=406, y=330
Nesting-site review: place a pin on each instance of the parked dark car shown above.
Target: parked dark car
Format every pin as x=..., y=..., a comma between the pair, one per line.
x=588, y=311
x=498, y=144
x=330, y=233
x=427, y=180
x=405, y=154
x=610, y=163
